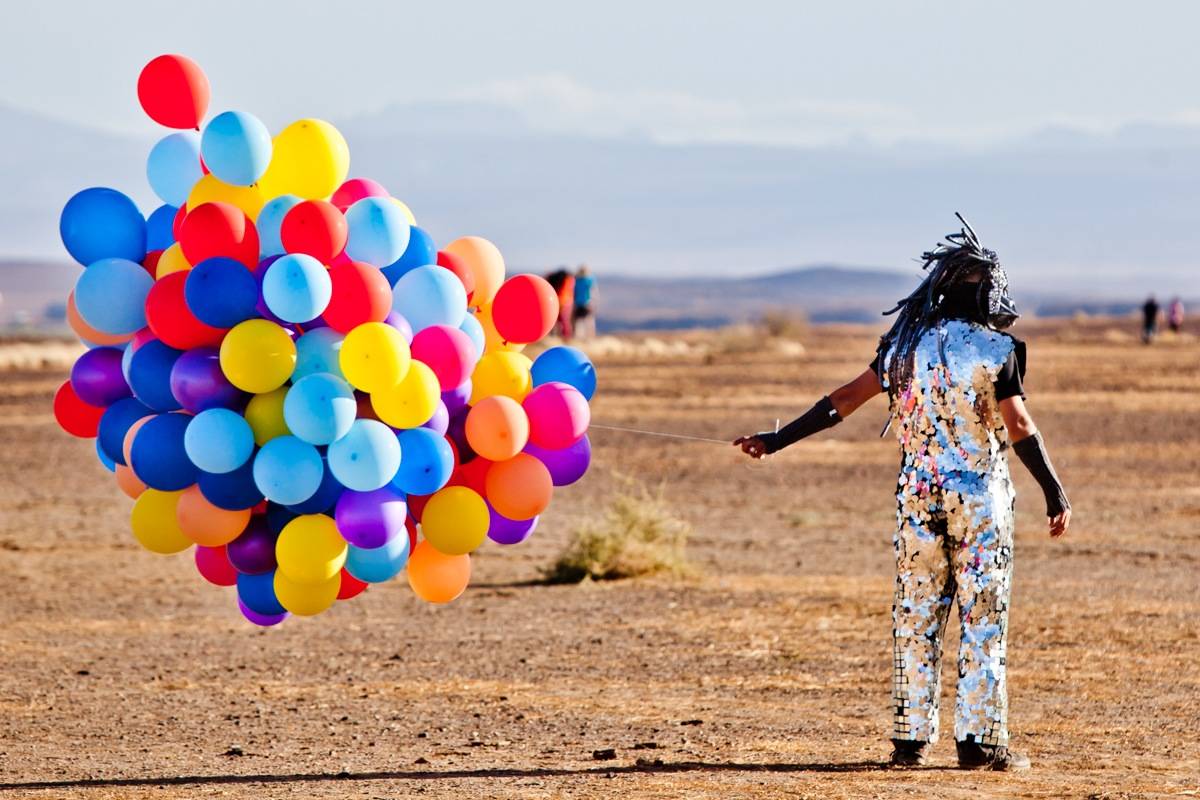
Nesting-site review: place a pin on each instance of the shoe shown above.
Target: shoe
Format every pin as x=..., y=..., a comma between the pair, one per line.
x=907, y=753
x=997, y=758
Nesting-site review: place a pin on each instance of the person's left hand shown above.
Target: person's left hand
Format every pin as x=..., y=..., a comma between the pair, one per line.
x=1060, y=523
x=752, y=446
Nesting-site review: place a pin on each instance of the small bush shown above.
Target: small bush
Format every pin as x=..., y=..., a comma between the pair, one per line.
x=638, y=535
x=784, y=325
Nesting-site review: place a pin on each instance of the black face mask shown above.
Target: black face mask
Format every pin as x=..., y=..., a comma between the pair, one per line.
x=984, y=302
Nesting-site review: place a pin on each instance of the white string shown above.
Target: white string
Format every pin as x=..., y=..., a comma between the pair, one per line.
x=660, y=433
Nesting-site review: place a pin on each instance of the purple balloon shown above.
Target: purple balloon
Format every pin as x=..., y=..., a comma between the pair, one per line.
x=567, y=465
x=503, y=530
x=370, y=519
x=253, y=551
x=397, y=321
x=458, y=397
x=440, y=421
x=199, y=384
x=263, y=620
x=97, y=378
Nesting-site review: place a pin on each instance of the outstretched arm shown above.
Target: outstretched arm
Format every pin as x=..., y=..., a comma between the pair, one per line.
x=828, y=411
x=1028, y=445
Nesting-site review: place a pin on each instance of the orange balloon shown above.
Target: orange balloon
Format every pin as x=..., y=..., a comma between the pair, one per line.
x=127, y=444
x=485, y=263
x=87, y=332
x=519, y=488
x=206, y=524
x=497, y=428
x=129, y=482
x=436, y=577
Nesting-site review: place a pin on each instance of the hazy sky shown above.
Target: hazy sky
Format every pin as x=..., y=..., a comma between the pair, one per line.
x=762, y=71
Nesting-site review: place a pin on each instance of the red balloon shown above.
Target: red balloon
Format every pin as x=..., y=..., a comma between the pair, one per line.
x=177, y=223
x=174, y=91
x=75, y=416
x=351, y=586
x=315, y=228
x=459, y=267
x=449, y=352
x=411, y=526
x=361, y=293
x=171, y=320
x=416, y=505
x=213, y=564
x=150, y=262
x=525, y=309
x=218, y=229
x=472, y=475
x=356, y=189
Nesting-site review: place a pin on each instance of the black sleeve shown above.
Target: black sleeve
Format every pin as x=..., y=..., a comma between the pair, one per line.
x=875, y=365
x=1010, y=380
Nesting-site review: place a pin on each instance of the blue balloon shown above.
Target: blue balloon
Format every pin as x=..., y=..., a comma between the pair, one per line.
x=320, y=408
x=297, y=288
x=159, y=456
x=378, y=231
x=233, y=491
x=236, y=147
x=221, y=292
x=566, y=365
x=219, y=440
x=287, y=470
x=324, y=499
x=420, y=251
x=317, y=351
x=378, y=564
x=473, y=328
x=427, y=462
x=367, y=457
x=258, y=593
x=430, y=295
x=173, y=167
x=160, y=228
x=102, y=223
x=110, y=295
x=115, y=423
x=150, y=375
x=278, y=517
x=107, y=462
x=269, y=223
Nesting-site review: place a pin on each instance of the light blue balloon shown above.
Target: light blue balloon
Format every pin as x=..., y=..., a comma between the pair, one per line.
x=427, y=463
x=110, y=295
x=126, y=360
x=288, y=471
x=218, y=440
x=297, y=288
x=317, y=351
x=367, y=457
x=236, y=147
x=472, y=327
x=430, y=295
x=378, y=564
x=270, y=222
x=377, y=230
x=173, y=167
x=319, y=408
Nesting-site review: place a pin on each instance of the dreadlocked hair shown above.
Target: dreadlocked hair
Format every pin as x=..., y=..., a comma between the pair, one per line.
x=957, y=260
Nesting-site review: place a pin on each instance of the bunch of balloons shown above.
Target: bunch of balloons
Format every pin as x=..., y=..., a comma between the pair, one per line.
x=291, y=380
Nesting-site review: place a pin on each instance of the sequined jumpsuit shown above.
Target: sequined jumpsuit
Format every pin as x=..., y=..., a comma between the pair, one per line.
x=954, y=534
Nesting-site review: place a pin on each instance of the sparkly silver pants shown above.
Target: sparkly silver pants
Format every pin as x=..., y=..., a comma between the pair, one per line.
x=953, y=542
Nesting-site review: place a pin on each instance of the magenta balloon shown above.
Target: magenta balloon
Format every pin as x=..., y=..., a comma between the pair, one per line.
x=199, y=384
x=458, y=397
x=253, y=551
x=558, y=415
x=447, y=351
x=503, y=530
x=440, y=421
x=264, y=620
x=566, y=465
x=97, y=378
x=371, y=519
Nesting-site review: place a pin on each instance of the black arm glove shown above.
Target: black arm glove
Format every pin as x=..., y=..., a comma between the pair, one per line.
x=1032, y=452
x=821, y=416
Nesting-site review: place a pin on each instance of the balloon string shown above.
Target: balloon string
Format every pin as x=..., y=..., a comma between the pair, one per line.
x=663, y=434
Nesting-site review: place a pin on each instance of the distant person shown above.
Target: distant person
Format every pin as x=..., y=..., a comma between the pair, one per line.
x=563, y=283
x=1149, y=319
x=1175, y=315
x=954, y=378
x=584, y=315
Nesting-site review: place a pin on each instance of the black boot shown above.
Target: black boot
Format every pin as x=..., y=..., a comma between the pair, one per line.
x=998, y=758
x=907, y=753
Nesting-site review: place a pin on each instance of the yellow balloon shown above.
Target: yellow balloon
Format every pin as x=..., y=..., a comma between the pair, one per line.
x=486, y=264
x=258, y=356
x=264, y=412
x=306, y=599
x=407, y=211
x=310, y=159
x=374, y=356
x=455, y=520
x=502, y=373
x=492, y=340
x=211, y=189
x=310, y=550
x=411, y=402
x=154, y=523
x=171, y=260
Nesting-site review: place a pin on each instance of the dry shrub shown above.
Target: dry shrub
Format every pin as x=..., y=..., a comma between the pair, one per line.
x=638, y=535
x=784, y=325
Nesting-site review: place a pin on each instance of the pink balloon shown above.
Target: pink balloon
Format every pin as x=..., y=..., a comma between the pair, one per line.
x=449, y=352
x=558, y=415
x=354, y=190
